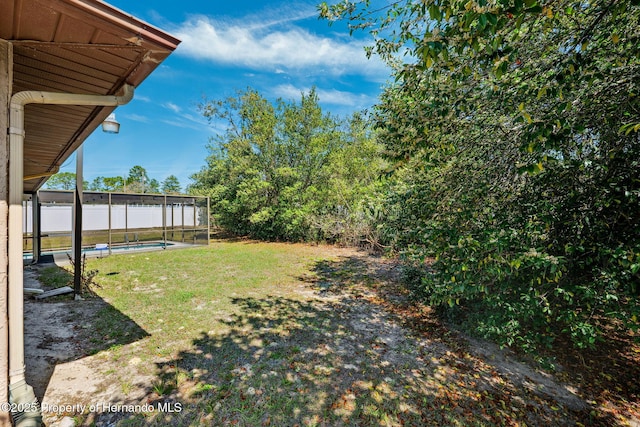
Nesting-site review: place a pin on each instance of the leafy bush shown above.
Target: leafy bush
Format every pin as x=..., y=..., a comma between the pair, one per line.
x=288, y=171
x=514, y=131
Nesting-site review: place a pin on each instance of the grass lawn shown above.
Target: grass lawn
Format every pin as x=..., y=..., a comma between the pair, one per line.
x=257, y=334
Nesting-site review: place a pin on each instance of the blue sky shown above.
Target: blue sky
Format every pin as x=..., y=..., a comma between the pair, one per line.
x=279, y=48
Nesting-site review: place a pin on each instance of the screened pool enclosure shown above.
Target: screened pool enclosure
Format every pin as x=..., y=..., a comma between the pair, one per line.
x=112, y=221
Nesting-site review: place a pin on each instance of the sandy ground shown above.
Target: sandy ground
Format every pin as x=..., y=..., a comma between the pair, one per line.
x=58, y=368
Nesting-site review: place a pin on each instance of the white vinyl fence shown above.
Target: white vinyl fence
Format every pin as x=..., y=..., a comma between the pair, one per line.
x=59, y=218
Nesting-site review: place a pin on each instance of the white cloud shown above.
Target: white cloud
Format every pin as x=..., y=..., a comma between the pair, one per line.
x=272, y=16
x=141, y=98
x=338, y=97
x=171, y=106
x=266, y=46
x=138, y=118
x=186, y=120
x=183, y=124
x=331, y=96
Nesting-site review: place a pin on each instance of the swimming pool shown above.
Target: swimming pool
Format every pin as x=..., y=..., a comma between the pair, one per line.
x=139, y=246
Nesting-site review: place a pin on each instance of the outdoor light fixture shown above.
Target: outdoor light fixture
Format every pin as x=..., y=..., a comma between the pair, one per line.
x=110, y=125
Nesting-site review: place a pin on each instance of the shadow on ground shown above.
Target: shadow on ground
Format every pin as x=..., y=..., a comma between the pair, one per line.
x=60, y=330
x=340, y=359
x=350, y=355
x=605, y=375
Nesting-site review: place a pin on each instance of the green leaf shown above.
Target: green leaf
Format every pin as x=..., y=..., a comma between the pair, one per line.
x=434, y=12
x=630, y=127
x=482, y=20
x=542, y=92
x=469, y=18
x=519, y=21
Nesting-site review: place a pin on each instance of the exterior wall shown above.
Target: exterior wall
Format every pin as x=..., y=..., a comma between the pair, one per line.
x=6, y=58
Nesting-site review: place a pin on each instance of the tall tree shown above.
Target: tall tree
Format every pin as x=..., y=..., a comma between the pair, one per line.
x=113, y=184
x=138, y=181
x=171, y=185
x=278, y=171
x=153, y=186
x=97, y=184
x=108, y=184
x=62, y=181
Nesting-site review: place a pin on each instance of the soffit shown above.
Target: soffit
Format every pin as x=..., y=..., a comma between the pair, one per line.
x=73, y=46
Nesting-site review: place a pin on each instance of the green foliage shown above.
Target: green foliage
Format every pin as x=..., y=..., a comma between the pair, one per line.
x=171, y=185
x=513, y=128
x=108, y=184
x=138, y=181
x=87, y=277
x=289, y=171
x=63, y=181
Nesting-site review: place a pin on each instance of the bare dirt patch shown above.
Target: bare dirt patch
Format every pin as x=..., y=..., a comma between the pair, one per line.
x=63, y=361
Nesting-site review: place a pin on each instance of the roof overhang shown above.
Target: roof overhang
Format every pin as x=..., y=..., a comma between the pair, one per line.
x=73, y=46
